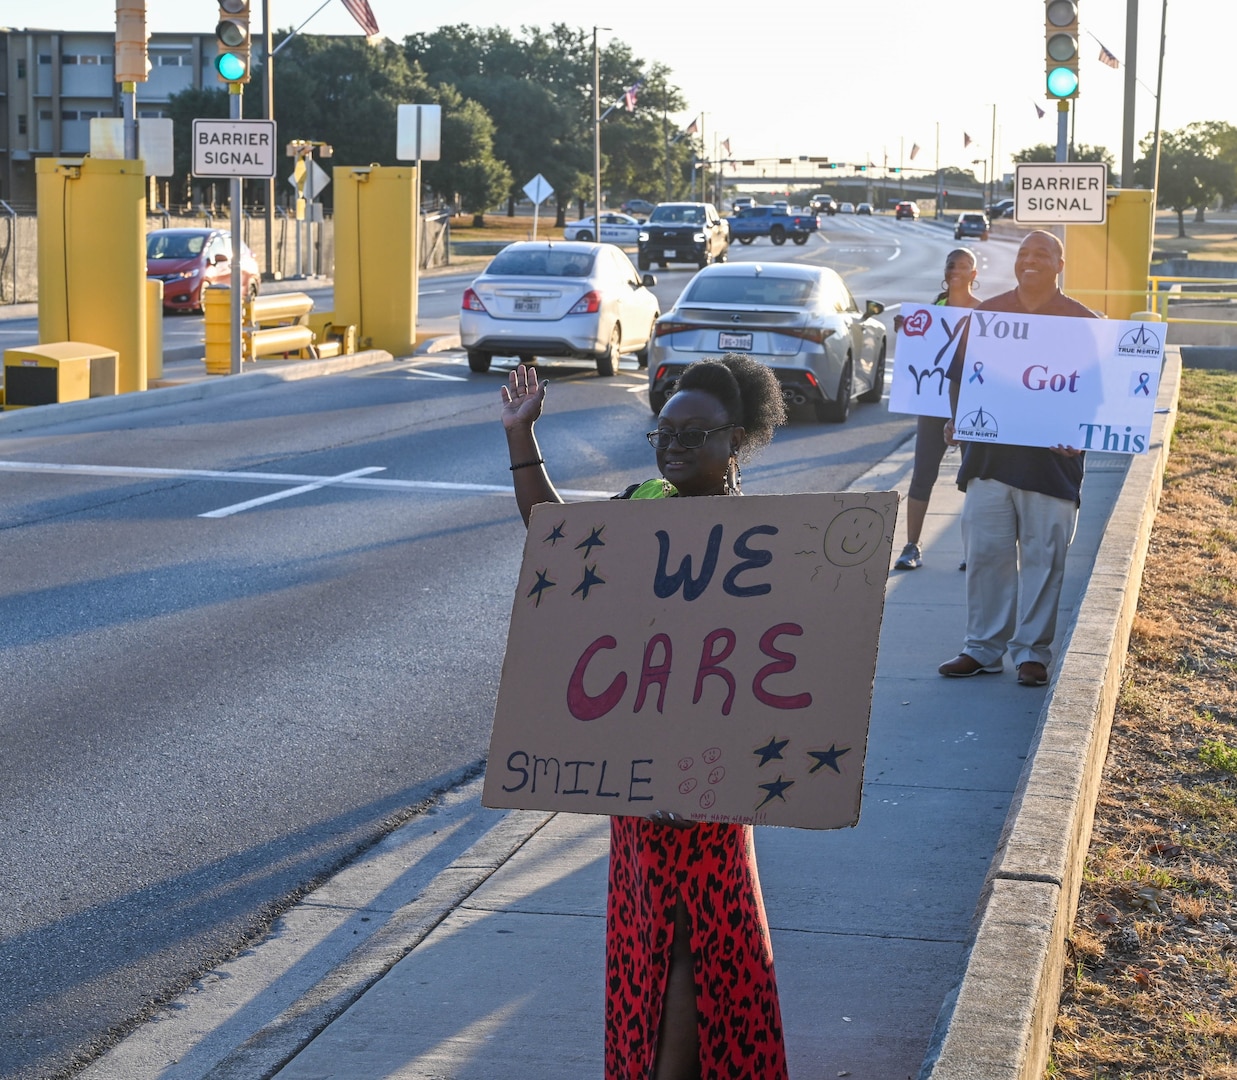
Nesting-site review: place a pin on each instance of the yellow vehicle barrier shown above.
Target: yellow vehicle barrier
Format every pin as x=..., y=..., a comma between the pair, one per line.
x=281, y=325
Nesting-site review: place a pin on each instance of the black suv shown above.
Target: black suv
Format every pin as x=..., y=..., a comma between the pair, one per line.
x=683, y=232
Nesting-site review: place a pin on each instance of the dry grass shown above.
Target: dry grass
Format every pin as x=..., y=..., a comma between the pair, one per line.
x=1212, y=239
x=1152, y=989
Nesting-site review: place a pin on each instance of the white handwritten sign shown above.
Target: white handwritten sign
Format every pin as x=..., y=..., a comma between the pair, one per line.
x=710, y=657
x=1043, y=380
x=926, y=343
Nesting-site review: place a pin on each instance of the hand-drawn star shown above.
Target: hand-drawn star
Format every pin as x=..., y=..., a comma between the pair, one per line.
x=588, y=581
x=775, y=789
x=827, y=757
x=772, y=749
x=543, y=583
x=593, y=540
x=557, y=534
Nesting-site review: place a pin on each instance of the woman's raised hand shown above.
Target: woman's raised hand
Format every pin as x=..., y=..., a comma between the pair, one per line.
x=522, y=397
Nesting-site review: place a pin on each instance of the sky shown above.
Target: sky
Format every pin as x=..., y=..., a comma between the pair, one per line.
x=852, y=82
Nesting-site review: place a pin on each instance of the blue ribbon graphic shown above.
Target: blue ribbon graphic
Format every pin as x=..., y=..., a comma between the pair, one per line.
x=977, y=367
x=1144, y=377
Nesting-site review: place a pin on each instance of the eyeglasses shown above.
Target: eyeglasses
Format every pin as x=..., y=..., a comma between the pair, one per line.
x=690, y=439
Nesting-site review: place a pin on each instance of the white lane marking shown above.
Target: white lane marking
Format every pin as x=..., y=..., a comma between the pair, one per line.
x=143, y=473
x=896, y=252
x=249, y=504
x=421, y=373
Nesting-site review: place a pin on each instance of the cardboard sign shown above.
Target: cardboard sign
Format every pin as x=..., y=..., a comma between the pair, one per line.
x=709, y=657
x=927, y=340
x=1044, y=380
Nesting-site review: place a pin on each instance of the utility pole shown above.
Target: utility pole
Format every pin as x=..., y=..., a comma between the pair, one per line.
x=597, y=132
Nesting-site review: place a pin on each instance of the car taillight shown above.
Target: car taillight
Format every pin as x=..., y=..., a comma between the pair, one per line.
x=587, y=304
x=815, y=334
x=472, y=302
x=661, y=329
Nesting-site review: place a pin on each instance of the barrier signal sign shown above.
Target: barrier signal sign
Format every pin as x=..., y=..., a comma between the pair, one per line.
x=229, y=148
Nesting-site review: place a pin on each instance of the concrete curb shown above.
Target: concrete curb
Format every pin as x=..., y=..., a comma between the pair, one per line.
x=173, y=393
x=998, y=1022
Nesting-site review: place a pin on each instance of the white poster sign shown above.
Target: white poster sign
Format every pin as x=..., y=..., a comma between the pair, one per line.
x=927, y=341
x=1044, y=380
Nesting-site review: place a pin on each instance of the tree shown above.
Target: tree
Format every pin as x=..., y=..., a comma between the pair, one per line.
x=1196, y=167
x=183, y=108
x=468, y=167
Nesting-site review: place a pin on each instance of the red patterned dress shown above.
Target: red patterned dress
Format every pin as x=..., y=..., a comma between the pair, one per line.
x=712, y=868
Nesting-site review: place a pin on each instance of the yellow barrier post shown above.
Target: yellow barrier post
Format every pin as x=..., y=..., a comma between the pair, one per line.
x=1111, y=261
x=217, y=315
x=56, y=372
x=92, y=258
x=154, y=329
x=376, y=217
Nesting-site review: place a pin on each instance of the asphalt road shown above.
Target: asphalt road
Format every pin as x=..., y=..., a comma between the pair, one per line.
x=209, y=703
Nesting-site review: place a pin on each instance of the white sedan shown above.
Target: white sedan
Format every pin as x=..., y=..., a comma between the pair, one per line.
x=558, y=298
x=615, y=229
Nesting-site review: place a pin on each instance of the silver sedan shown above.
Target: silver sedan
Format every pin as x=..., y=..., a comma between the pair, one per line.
x=558, y=298
x=799, y=320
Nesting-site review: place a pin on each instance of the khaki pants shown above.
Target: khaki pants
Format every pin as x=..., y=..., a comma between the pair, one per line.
x=1015, y=543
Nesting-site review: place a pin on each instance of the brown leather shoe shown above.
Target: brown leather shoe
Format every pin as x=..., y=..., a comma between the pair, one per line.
x=964, y=666
x=1032, y=673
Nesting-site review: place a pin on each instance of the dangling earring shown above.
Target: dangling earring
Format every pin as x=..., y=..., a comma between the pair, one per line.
x=944, y=285
x=734, y=479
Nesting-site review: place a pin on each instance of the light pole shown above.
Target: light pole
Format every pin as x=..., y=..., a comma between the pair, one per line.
x=597, y=133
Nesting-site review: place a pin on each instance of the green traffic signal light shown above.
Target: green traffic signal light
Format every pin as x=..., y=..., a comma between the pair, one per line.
x=1062, y=82
x=231, y=67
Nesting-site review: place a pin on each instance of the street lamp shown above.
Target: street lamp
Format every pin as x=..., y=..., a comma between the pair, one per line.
x=984, y=163
x=597, y=133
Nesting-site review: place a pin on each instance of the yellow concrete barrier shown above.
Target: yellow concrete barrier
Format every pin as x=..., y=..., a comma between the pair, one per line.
x=58, y=371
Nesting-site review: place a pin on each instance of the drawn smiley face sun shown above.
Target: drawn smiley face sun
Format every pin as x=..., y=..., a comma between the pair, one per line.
x=854, y=536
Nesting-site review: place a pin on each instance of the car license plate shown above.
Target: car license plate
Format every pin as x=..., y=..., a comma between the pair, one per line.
x=725, y=340
x=528, y=303
x=670, y=253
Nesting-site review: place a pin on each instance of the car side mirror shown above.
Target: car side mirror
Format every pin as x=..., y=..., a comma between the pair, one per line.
x=648, y=281
x=872, y=308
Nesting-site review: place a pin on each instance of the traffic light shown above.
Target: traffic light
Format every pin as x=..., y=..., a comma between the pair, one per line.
x=1061, y=48
x=232, y=36
x=132, y=63
x=833, y=164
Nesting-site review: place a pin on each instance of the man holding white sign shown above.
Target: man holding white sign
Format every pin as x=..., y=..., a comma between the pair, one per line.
x=1021, y=501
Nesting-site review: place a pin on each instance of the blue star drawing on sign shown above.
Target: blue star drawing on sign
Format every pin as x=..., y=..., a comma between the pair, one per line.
x=772, y=749
x=543, y=583
x=593, y=540
x=827, y=757
x=775, y=789
x=557, y=534
x=589, y=580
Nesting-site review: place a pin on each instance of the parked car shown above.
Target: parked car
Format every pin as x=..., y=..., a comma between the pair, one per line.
x=556, y=298
x=799, y=320
x=1001, y=208
x=864, y=208
x=615, y=229
x=846, y=208
x=906, y=209
x=683, y=232
x=971, y=223
x=188, y=260
x=637, y=206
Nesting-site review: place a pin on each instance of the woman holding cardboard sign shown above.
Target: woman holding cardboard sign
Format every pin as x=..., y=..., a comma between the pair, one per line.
x=690, y=987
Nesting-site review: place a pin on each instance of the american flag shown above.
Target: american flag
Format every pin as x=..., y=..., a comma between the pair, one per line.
x=1108, y=58
x=360, y=10
x=692, y=128
x=914, y=150
x=966, y=140
x=1038, y=111
x=630, y=95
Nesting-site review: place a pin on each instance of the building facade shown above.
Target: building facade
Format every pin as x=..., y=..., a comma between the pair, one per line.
x=53, y=82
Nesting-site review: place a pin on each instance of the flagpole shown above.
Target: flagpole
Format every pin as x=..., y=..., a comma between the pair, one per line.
x=597, y=134
x=1131, y=73
x=992, y=158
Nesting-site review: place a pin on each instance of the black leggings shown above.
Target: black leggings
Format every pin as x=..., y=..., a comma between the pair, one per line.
x=929, y=450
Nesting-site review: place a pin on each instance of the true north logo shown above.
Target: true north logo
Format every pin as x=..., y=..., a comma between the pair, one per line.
x=1139, y=343
x=977, y=426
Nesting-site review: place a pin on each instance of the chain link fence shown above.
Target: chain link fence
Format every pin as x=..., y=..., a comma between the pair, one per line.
x=298, y=248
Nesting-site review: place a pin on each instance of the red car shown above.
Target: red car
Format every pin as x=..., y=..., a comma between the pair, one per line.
x=187, y=260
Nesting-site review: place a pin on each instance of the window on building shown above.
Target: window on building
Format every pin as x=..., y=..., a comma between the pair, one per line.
x=45, y=114
x=68, y=59
x=21, y=67
x=106, y=61
x=45, y=58
x=68, y=114
x=87, y=59
x=21, y=123
x=173, y=60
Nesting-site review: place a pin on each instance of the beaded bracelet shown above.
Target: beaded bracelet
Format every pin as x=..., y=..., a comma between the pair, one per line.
x=527, y=464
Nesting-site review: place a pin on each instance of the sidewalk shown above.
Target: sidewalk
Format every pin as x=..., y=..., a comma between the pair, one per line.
x=925, y=942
